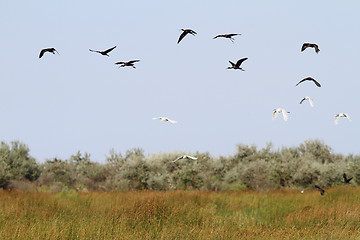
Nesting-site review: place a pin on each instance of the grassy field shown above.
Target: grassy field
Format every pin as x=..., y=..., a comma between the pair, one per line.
x=181, y=215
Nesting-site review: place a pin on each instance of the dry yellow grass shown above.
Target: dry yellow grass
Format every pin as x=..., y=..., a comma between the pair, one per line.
x=181, y=215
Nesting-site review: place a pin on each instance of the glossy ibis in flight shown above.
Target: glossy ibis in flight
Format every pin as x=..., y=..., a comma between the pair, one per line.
x=51, y=50
x=322, y=191
x=309, y=79
x=127, y=64
x=105, y=52
x=186, y=32
x=346, y=180
x=237, y=65
x=229, y=36
x=313, y=45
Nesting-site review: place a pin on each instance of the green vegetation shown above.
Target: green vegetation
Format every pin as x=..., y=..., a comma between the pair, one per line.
x=280, y=214
x=253, y=194
x=301, y=167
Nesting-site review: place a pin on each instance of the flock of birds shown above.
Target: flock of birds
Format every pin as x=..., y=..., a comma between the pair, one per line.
x=235, y=66
x=307, y=98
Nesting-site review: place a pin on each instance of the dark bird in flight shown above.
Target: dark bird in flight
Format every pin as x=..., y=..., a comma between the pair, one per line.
x=237, y=65
x=322, y=191
x=52, y=50
x=127, y=64
x=229, y=36
x=309, y=79
x=185, y=32
x=313, y=45
x=105, y=53
x=346, y=180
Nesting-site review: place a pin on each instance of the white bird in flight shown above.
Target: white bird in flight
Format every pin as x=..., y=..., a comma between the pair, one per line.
x=339, y=115
x=164, y=119
x=184, y=157
x=309, y=99
x=280, y=110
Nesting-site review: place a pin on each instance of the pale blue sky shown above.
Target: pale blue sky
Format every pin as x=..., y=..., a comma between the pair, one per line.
x=79, y=100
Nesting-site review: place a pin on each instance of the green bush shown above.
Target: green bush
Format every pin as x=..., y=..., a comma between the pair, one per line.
x=303, y=166
x=17, y=164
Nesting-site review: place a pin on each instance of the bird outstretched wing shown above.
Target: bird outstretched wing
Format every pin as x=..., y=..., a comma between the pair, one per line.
x=170, y=120
x=240, y=61
x=183, y=34
x=192, y=32
x=300, y=82
x=311, y=102
x=346, y=180
x=336, y=118
x=232, y=64
x=304, y=46
x=133, y=61
x=42, y=53
x=285, y=115
x=109, y=50
x=302, y=100
x=275, y=114
x=345, y=177
x=316, y=82
x=181, y=157
x=347, y=116
x=94, y=51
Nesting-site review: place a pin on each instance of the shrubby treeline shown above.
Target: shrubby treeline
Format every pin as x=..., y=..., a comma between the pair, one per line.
x=312, y=162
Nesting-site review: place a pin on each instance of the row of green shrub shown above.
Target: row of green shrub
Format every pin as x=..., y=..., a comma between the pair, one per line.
x=310, y=163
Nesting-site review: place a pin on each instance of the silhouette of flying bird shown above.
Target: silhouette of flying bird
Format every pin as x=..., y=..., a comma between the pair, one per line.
x=237, y=65
x=346, y=180
x=186, y=32
x=229, y=36
x=51, y=50
x=339, y=115
x=309, y=79
x=313, y=45
x=164, y=119
x=322, y=191
x=127, y=64
x=309, y=99
x=280, y=110
x=185, y=157
x=105, y=53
